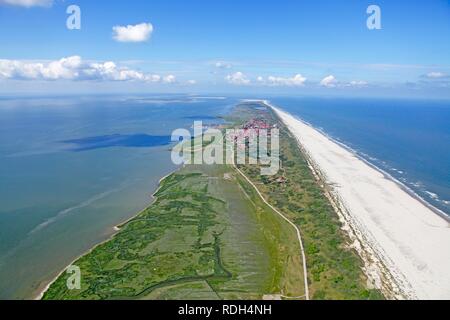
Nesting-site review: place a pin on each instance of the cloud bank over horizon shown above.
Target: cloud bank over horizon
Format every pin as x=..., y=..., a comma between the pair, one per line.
x=203, y=76
x=74, y=68
x=298, y=80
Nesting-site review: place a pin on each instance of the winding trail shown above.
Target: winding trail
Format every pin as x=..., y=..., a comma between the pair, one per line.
x=299, y=236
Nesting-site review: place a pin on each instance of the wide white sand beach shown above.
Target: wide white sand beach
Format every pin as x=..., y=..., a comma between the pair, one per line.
x=404, y=243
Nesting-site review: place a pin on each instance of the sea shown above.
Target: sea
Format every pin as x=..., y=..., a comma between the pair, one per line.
x=407, y=139
x=73, y=167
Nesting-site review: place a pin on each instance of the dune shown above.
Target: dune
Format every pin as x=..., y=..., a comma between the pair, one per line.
x=403, y=241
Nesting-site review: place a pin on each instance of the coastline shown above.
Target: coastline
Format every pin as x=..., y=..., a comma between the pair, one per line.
x=386, y=174
x=379, y=266
x=380, y=244
x=115, y=228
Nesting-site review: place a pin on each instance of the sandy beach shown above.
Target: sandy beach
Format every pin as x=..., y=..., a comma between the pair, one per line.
x=404, y=243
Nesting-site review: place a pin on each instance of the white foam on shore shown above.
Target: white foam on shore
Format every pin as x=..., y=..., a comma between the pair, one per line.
x=404, y=243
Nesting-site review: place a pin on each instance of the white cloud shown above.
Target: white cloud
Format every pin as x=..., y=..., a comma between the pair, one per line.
x=358, y=83
x=170, y=79
x=28, y=3
x=222, y=65
x=329, y=81
x=296, y=81
x=137, y=33
x=74, y=68
x=237, y=78
x=191, y=82
x=436, y=75
x=66, y=68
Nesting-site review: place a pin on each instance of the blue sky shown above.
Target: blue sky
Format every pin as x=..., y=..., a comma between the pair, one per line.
x=300, y=47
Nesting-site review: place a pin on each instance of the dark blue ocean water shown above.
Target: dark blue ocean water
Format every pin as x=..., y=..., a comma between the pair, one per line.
x=409, y=139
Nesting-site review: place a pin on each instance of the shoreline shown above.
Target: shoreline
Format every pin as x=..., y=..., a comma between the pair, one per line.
x=401, y=265
x=387, y=175
x=379, y=267
x=115, y=229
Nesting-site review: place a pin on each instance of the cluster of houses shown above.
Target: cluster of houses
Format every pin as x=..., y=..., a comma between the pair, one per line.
x=258, y=124
x=252, y=128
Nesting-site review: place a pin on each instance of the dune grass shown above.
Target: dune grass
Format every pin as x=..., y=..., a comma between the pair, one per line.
x=334, y=269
